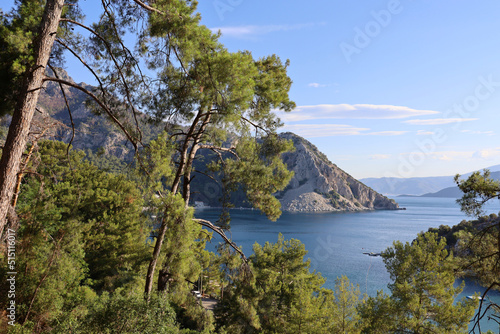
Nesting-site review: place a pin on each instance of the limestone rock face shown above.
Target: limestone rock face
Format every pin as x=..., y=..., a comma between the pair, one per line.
x=319, y=185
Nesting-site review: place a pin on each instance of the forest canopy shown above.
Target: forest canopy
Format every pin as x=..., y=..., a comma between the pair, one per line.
x=105, y=246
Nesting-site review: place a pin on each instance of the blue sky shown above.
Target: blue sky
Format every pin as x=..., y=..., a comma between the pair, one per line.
x=384, y=88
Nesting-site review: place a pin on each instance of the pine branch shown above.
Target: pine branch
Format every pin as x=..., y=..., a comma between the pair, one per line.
x=117, y=67
x=220, y=149
x=220, y=232
x=100, y=103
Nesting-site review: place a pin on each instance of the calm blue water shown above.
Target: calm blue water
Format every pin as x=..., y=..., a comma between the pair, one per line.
x=336, y=241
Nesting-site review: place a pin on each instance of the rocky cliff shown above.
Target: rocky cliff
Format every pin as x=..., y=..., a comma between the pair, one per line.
x=319, y=185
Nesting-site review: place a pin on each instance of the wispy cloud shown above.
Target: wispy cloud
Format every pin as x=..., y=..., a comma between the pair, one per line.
x=324, y=130
x=446, y=155
x=387, y=133
x=487, y=154
x=439, y=121
x=329, y=130
x=471, y=132
x=316, y=85
x=379, y=156
x=424, y=133
x=353, y=111
x=255, y=30
x=484, y=154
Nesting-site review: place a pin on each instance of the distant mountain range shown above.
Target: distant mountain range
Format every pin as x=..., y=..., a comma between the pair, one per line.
x=437, y=186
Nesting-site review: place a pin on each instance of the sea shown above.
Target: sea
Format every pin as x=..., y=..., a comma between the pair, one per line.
x=336, y=242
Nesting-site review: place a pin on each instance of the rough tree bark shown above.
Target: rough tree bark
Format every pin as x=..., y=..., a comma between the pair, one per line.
x=21, y=120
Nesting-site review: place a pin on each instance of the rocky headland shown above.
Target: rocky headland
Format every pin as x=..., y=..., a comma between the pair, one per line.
x=319, y=185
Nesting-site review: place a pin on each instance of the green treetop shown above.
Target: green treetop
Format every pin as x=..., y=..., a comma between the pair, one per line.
x=423, y=298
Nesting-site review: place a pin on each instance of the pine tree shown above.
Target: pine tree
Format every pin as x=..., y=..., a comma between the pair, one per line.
x=281, y=296
x=480, y=246
x=81, y=231
x=345, y=313
x=29, y=63
x=423, y=298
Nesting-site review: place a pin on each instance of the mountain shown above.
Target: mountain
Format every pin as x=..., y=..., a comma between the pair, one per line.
x=450, y=192
x=92, y=131
x=455, y=192
x=415, y=186
x=410, y=186
x=318, y=184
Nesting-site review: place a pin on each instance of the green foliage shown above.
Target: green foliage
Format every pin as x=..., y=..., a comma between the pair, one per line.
x=18, y=29
x=478, y=189
x=280, y=296
x=75, y=215
x=378, y=315
x=261, y=171
x=107, y=162
x=183, y=255
x=155, y=168
x=479, y=254
x=283, y=280
x=79, y=227
x=109, y=205
x=345, y=314
x=123, y=313
x=479, y=243
x=184, y=258
x=423, y=296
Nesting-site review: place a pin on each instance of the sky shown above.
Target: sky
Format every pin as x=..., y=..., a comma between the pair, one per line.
x=396, y=88
x=383, y=88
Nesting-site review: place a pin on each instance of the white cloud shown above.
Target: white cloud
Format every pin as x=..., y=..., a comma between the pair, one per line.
x=379, y=156
x=324, y=130
x=387, y=133
x=487, y=154
x=353, y=111
x=451, y=155
x=424, y=133
x=439, y=121
x=442, y=155
x=484, y=154
x=254, y=30
x=328, y=130
x=316, y=85
x=471, y=132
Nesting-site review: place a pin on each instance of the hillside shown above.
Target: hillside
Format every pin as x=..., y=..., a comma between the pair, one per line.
x=318, y=184
x=92, y=132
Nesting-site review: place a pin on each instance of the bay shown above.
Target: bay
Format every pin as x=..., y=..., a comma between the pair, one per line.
x=336, y=241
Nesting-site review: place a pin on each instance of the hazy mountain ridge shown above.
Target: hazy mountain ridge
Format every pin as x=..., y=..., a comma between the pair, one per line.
x=455, y=192
x=416, y=186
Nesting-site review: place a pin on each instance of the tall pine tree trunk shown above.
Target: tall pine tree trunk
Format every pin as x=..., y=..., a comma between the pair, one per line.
x=21, y=120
